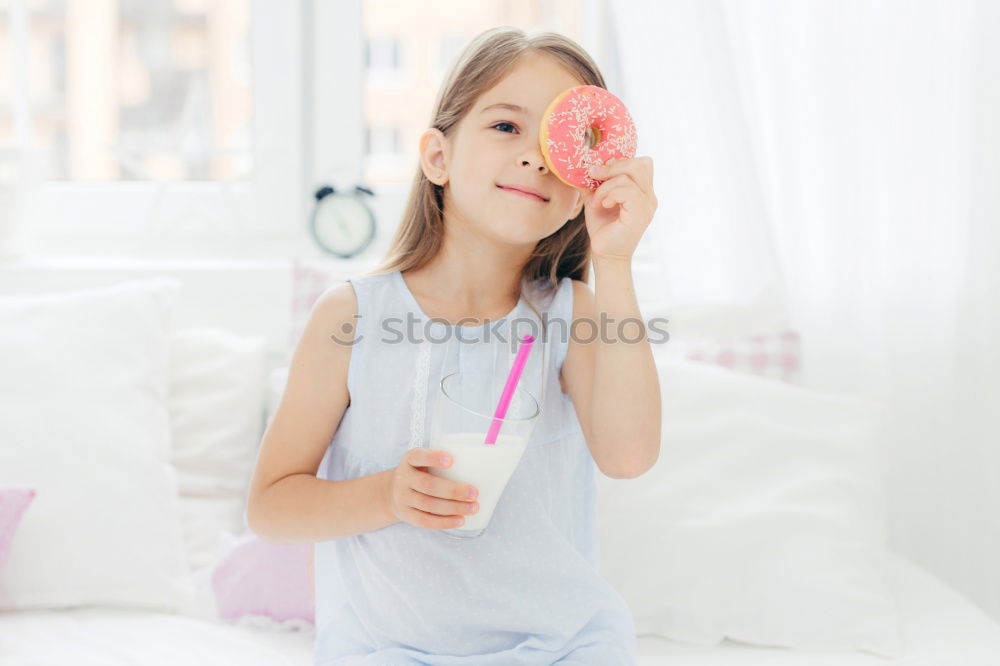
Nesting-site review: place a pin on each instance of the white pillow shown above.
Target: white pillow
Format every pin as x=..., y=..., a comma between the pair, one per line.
x=83, y=420
x=763, y=520
x=217, y=393
x=216, y=402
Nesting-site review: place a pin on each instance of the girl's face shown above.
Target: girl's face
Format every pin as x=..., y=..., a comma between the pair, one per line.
x=496, y=145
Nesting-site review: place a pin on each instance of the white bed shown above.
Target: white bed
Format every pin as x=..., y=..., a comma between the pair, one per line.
x=939, y=628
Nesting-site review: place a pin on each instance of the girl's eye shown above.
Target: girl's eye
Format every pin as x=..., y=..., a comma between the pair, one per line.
x=499, y=124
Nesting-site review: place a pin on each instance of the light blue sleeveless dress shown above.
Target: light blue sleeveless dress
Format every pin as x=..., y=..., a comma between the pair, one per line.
x=525, y=592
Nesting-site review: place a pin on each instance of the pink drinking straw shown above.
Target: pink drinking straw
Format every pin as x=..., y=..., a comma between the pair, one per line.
x=508, y=389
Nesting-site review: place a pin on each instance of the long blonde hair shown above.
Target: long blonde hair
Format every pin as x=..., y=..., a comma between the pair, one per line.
x=483, y=63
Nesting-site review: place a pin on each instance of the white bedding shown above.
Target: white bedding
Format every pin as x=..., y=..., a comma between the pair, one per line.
x=940, y=628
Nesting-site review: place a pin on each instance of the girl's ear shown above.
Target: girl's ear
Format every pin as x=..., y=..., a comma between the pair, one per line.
x=434, y=155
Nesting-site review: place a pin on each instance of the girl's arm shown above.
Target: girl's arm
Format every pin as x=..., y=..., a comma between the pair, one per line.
x=304, y=508
x=610, y=374
x=612, y=380
x=287, y=502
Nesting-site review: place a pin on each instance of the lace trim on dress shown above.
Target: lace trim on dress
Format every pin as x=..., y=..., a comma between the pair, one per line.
x=418, y=408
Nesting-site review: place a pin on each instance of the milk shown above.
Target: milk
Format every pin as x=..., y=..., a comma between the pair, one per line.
x=486, y=467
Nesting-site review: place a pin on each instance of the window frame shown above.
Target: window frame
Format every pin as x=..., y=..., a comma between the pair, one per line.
x=147, y=217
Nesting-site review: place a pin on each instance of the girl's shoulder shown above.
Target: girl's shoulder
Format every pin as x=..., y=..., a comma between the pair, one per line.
x=371, y=278
x=369, y=286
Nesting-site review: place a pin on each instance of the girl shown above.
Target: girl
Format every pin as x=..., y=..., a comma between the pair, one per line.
x=391, y=588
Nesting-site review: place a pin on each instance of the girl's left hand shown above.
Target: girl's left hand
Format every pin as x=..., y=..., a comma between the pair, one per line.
x=620, y=208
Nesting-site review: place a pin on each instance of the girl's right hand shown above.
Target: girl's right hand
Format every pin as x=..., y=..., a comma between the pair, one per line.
x=418, y=497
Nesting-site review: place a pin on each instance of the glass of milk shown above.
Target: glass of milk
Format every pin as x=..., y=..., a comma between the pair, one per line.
x=464, y=408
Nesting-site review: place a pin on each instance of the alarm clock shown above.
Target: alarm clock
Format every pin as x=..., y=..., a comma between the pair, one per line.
x=342, y=223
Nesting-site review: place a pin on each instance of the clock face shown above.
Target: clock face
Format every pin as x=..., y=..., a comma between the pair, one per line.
x=342, y=224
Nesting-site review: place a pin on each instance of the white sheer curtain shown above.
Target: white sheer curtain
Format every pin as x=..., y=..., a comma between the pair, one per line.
x=836, y=166
x=675, y=69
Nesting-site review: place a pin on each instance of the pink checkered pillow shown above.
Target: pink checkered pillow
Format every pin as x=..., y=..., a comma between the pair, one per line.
x=13, y=502
x=776, y=355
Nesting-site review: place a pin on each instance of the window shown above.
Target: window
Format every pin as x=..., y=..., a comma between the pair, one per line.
x=147, y=92
x=147, y=120
x=166, y=137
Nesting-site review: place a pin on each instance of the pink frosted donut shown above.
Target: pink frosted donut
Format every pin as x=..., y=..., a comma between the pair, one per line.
x=584, y=126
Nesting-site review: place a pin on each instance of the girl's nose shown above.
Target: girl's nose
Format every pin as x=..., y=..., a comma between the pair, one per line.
x=541, y=164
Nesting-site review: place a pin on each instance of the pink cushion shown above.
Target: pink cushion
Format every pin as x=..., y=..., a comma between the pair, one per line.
x=260, y=578
x=13, y=502
x=777, y=355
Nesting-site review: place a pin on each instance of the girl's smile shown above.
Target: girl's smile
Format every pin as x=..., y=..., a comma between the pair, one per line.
x=520, y=193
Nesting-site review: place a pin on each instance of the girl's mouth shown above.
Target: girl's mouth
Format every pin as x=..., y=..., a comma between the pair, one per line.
x=522, y=194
